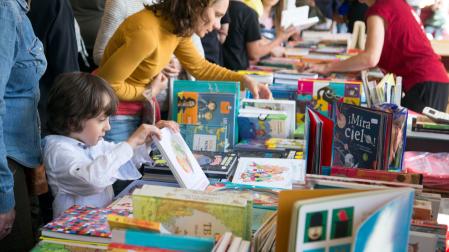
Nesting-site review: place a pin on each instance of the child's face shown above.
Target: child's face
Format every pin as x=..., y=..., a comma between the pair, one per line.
x=93, y=130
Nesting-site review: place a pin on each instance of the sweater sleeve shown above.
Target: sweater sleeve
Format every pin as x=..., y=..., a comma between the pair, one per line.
x=199, y=67
x=122, y=63
x=114, y=14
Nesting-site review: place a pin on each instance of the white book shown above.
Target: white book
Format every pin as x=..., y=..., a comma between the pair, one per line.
x=224, y=242
x=298, y=17
x=181, y=161
x=244, y=246
x=235, y=244
x=269, y=172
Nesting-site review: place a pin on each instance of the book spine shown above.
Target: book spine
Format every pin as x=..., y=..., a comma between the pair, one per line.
x=377, y=175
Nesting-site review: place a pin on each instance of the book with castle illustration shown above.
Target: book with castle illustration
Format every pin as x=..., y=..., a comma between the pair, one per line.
x=344, y=220
x=181, y=161
x=269, y=172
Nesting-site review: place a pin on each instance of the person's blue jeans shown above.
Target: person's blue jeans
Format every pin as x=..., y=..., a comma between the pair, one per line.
x=122, y=127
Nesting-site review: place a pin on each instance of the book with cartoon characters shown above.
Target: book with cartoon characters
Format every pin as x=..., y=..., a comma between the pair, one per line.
x=181, y=161
x=344, y=220
x=257, y=123
x=269, y=172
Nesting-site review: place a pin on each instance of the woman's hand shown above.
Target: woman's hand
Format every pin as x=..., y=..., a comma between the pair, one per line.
x=258, y=90
x=143, y=135
x=317, y=68
x=159, y=83
x=172, y=125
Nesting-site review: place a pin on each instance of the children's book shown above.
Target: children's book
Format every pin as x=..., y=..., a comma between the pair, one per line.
x=298, y=17
x=320, y=94
x=269, y=172
x=211, y=87
x=344, y=220
x=82, y=223
x=205, y=137
x=263, y=124
x=361, y=137
x=318, y=141
x=288, y=107
x=181, y=161
x=162, y=241
x=196, y=213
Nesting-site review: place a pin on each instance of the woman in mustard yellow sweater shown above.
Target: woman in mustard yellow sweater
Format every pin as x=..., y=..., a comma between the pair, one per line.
x=143, y=44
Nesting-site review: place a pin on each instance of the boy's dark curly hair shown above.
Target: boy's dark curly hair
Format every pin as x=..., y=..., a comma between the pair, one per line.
x=184, y=14
x=77, y=97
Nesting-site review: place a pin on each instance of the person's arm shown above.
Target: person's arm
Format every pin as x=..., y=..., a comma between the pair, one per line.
x=202, y=69
x=8, y=34
x=260, y=48
x=364, y=60
x=122, y=63
x=113, y=15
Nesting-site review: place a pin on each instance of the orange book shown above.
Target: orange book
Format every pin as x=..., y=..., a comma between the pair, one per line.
x=122, y=222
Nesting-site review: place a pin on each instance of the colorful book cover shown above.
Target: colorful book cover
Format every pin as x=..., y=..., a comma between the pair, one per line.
x=209, y=87
x=263, y=124
x=124, y=222
x=269, y=172
x=196, y=213
x=205, y=137
x=359, y=137
x=319, y=93
x=181, y=161
x=82, y=221
x=217, y=164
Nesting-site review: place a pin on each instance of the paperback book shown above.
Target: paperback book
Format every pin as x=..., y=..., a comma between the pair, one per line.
x=263, y=124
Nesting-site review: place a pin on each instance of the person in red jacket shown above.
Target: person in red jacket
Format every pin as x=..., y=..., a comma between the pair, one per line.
x=397, y=44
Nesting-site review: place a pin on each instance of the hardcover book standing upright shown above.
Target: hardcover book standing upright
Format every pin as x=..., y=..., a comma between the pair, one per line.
x=181, y=161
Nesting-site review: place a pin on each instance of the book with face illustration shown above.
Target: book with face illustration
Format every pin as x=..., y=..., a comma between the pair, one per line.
x=181, y=161
x=269, y=172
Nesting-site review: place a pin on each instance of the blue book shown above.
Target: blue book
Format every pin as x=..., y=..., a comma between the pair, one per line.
x=209, y=87
x=361, y=137
x=263, y=124
x=163, y=241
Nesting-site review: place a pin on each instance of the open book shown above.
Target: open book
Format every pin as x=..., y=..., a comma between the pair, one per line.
x=298, y=17
x=181, y=161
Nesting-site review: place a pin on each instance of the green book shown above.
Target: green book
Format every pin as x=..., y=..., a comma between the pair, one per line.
x=195, y=213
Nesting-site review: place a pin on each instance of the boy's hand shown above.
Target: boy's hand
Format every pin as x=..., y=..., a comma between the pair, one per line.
x=172, y=125
x=143, y=135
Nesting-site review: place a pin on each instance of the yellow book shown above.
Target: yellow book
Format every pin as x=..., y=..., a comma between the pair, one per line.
x=122, y=222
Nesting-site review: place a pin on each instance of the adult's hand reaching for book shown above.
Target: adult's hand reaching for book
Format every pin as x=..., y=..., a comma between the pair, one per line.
x=6, y=223
x=317, y=68
x=258, y=90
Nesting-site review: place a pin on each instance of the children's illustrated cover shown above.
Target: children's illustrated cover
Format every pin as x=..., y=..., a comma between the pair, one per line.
x=359, y=138
x=210, y=87
x=319, y=94
x=181, y=161
x=263, y=124
x=364, y=221
x=269, y=172
x=82, y=223
x=197, y=213
x=205, y=137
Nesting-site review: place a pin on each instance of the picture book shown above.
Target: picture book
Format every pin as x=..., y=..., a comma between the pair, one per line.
x=263, y=124
x=289, y=107
x=319, y=134
x=361, y=137
x=269, y=172
x=82, y=223
x=215, y=110
x=351, y=220
x=205, y=137
x=181, y=161
x=321, y=93
x=191, y=212
x=162, y=241
x=210, y=87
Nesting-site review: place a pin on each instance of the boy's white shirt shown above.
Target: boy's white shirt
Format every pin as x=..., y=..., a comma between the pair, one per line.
x=83, y=175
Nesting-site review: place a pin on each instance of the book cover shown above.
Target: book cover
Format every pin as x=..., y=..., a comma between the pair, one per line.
x=401, y=177
x=196, y=213
x=269, y=172
x=82, y=223
x=209, y=87
x=359, y=137
x=263, y=124
x=181, y=161
x=289, y=107
x=124, y=222
x=319, y=94
x=205, y=137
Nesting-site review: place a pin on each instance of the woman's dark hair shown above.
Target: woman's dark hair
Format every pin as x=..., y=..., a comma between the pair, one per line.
x=183, y=13
x=76, y=97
